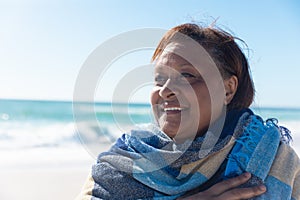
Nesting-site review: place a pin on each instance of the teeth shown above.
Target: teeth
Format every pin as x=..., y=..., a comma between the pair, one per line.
x=174, y=108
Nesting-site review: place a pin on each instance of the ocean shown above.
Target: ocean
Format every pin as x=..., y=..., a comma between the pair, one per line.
x=49, y=132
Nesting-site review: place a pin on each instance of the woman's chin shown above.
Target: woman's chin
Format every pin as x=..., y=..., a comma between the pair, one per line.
x=170, y=132
x=179, y=137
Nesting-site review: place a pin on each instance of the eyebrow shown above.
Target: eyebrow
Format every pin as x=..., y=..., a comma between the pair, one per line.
x=184, y=65
x=187, y=65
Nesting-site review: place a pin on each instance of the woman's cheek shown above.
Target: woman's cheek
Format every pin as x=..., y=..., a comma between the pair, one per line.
x=154, y=97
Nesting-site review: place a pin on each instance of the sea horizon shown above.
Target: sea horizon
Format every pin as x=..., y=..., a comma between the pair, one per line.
x=255, y=106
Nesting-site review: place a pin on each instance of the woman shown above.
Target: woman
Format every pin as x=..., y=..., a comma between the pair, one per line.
x=208, y=143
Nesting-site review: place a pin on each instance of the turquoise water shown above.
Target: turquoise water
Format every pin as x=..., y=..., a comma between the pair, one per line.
x=27, y=110
x=37, y=111
x=29, y=124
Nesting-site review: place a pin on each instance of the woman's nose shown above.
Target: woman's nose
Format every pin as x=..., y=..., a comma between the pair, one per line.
x=169, y=90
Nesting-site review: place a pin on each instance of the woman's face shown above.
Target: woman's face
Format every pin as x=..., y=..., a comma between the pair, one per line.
x=180, y=98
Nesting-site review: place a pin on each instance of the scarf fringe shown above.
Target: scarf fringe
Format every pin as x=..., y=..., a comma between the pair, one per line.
x=286, y=136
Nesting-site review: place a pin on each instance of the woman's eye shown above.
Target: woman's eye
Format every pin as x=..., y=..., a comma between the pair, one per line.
x=188, y=78
x=160, y=80
x=187, y=75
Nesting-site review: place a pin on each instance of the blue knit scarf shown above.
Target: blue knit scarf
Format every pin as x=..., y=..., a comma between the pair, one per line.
x=147, y=164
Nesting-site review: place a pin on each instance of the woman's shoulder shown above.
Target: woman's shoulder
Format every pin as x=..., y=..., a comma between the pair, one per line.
x=286, y=165
x=286, y=157
x=287, y=152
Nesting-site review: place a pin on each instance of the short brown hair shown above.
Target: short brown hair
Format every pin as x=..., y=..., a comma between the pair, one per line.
x=225, y=52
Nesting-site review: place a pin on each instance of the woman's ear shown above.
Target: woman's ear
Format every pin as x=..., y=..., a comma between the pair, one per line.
x=230, y=85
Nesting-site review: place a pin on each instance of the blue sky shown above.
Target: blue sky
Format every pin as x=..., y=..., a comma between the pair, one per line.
x=43, y=44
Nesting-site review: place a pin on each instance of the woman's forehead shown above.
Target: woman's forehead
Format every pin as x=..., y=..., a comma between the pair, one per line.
x=184, y=53
x=174, y=52
x=175, y=63
x=171, y=58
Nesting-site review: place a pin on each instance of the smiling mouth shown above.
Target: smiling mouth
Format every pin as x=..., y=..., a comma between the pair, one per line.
x=173, y=109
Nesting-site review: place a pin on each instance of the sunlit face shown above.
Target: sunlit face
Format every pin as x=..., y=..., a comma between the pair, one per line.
x=180, y=98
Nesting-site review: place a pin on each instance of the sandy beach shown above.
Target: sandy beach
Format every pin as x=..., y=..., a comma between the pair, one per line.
x=43, y=174
x=44, y=184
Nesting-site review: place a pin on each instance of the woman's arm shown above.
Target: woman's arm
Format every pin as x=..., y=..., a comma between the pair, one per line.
x=227, y=190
